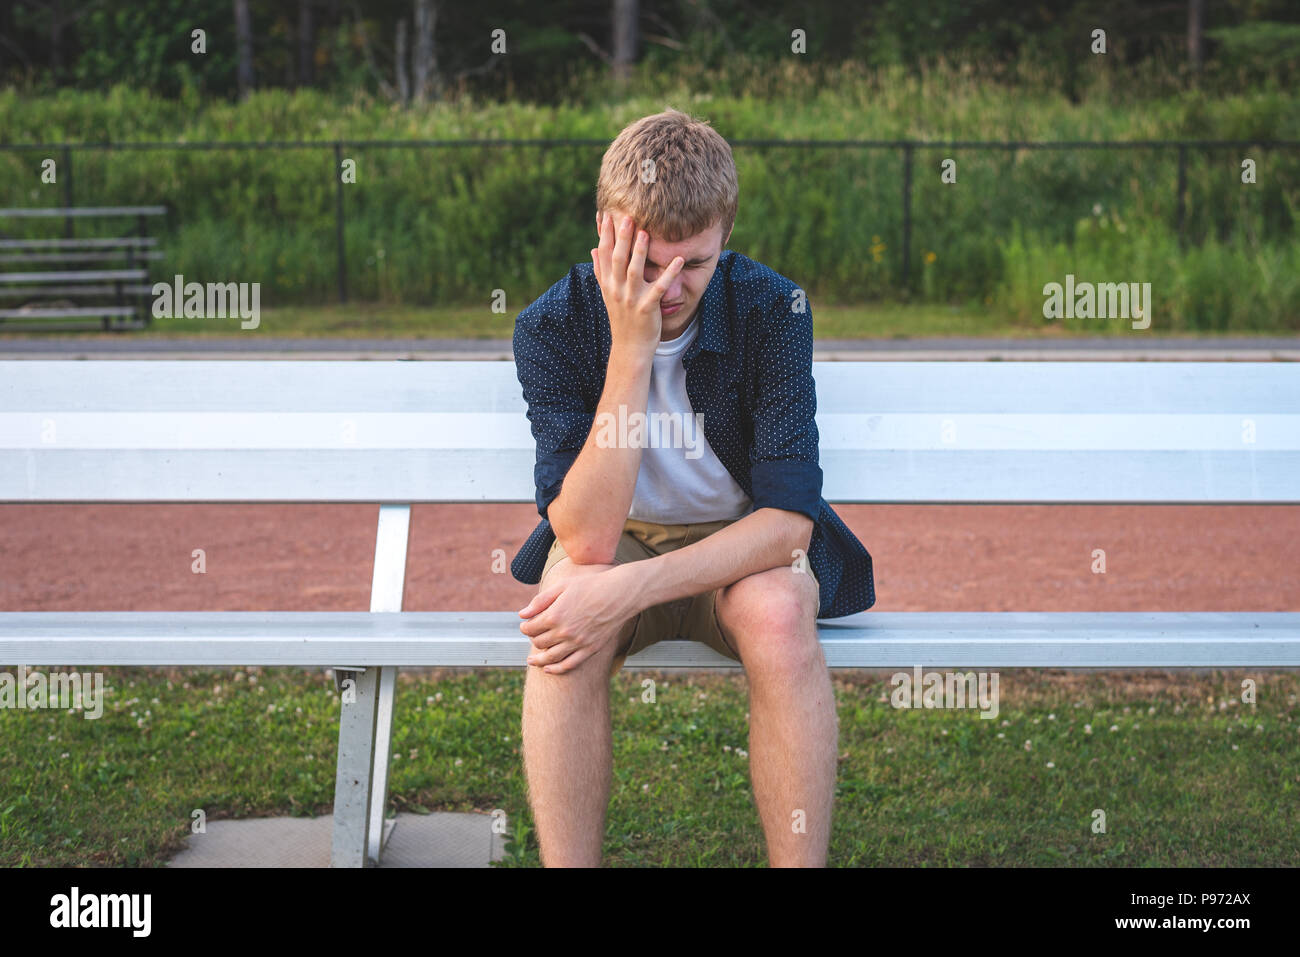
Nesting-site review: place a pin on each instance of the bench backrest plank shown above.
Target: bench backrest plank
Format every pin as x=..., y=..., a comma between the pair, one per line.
x=81, y=275
x=411, y=432
x=41, y=292
x=107, y=255
x=123, y=242
x=62, y=212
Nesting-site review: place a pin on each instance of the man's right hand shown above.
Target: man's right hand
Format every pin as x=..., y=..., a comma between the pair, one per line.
x=632, y=303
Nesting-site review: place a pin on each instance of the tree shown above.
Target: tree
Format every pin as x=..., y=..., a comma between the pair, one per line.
x=62, y=16
x=625, y=38
x=1195, y=29
x=399, y=59
x=306, y=44
x=244, y=47
x=424, y=66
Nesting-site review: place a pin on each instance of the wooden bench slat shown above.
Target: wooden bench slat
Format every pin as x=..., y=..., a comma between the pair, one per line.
x=492, y=639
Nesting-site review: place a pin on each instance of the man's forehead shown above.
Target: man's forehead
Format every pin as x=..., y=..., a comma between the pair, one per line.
x=703, y=237
x=696, y=249
x=700, y=242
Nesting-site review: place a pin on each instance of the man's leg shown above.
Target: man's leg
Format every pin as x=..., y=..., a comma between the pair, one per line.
x=770, y=619
x=568, y=747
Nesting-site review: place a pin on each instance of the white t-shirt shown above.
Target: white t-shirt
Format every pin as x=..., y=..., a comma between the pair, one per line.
x=681, y=479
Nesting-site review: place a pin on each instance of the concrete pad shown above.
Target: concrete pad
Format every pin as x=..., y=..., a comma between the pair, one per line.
x=415, y=840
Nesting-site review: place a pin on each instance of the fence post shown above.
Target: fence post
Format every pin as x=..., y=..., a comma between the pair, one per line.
x=67, y=189
x=338, y=222
x=907, y=213
x=1182, y=191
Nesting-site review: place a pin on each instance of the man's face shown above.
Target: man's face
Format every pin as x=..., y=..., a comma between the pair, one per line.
x=700, y=254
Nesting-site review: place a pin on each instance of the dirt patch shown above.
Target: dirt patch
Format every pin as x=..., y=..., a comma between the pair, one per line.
x=927, y=558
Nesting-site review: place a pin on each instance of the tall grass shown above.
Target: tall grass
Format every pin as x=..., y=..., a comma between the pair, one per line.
x=451, y=224
x=1216, y=286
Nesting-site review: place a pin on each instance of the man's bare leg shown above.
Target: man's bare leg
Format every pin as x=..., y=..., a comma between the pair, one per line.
x=568, y=748
x=793, y=729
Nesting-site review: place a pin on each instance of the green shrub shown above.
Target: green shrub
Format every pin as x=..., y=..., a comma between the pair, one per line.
x=451, y=224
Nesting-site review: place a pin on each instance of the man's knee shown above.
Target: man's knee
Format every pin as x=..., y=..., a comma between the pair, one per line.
x=771, y=619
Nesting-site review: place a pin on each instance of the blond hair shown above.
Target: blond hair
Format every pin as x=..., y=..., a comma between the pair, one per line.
x=688, y=185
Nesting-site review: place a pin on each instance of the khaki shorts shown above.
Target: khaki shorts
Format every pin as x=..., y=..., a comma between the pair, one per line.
x=693, y=618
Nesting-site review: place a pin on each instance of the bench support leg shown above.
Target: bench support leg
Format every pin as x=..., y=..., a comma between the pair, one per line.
x=386, y=691
x=366, y=724
x=358, y=714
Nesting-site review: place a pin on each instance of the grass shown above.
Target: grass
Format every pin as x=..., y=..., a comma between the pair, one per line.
x=1186, y=775
x=884, y=320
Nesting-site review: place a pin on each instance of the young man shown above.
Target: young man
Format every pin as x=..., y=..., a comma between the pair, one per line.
x=718, y=535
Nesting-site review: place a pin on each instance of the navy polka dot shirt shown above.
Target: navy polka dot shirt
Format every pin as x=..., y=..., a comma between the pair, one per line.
x=749, y=371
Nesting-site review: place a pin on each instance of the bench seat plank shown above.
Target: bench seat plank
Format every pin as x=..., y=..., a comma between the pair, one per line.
x=492, y=639
x=36, y=293
x=68, y=313
x=79, y=275
x=117, y=242
x=62, y=212
x=80, y=257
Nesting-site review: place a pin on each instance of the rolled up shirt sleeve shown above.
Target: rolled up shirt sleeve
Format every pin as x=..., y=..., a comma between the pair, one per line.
x=784, y=464
x=557, y=409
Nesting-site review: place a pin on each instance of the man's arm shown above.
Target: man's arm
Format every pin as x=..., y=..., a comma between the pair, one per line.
x=589, y=512
x=763, y=539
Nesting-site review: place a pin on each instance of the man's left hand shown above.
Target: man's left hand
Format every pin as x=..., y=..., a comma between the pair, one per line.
x=573, y=619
